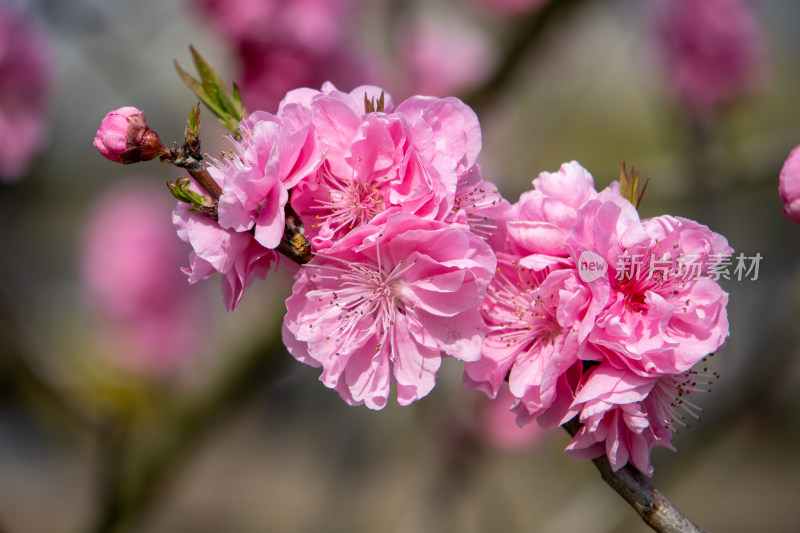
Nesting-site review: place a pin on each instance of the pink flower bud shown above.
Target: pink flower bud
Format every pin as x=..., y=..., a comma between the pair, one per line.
x=789, y=187
x=124, y=137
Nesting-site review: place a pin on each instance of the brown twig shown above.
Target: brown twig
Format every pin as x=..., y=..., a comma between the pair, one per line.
x=188, y=157
x=293, y=245
x=523, y=38
x=135, y=475
x=655, y=509
x=21, y=362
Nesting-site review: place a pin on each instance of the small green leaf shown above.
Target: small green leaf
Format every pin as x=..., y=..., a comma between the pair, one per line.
x=237, y=99
x=181, y=191
x=641, y=193
x=381, y=103
x=630, y=186
x=193, y=124
x=623, y=180
x=196, y=87
x=371, y=107
x=212, y=92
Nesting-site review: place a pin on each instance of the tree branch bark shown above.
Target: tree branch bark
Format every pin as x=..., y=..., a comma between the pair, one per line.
x=654, y=508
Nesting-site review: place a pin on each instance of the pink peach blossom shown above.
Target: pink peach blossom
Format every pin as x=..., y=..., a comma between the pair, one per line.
x=406, y=159
x=532, y=324
x=656, y=314
x=789, y=187
x=625, y=415
x=384, y=302
x=256, y=176
x=236, y=255
x=546, y=214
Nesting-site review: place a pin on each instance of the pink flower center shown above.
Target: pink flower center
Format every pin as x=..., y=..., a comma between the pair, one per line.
x=366, y=296
x=652, y=273
x=473, y=196
x=520, y=313
x=347, y=203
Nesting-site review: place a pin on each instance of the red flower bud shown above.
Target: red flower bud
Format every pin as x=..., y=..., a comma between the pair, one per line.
x=125, y=137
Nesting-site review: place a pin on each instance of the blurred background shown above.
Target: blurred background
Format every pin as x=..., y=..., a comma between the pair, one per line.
x=130, y=401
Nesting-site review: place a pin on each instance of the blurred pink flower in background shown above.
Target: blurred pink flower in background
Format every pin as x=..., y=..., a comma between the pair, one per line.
x=270, y=70
x=789, y=187
x=316, y=25
x=24, y=81
x=284, y=45
x=444, y=57
x=712, y=50
x=498, y=424
x=130, y=268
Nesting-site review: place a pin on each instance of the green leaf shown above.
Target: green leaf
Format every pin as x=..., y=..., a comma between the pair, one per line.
x=381, y=103
x=193, y=124
x=630, y=186
x=237, y=98
x=212, y=92
x=181, y=191
x=196, y=87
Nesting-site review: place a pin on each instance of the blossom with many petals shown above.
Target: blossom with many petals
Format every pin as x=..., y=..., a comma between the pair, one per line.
x=598, y=314
x=661, y=309
x=257, y=174
x=625, y=415
x=532, y=321
x=384, y=302
x=236, y=255
x=407, y=159
x=546, y=214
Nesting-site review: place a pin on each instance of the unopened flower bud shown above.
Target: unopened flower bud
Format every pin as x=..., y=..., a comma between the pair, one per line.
x=789, y=187
x=125, y=137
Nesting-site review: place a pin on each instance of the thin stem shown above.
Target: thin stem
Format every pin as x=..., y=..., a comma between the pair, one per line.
x=293, y=244
x=524, y=37
x=131, y=482
x=199, y=172
x=21, y=362
x=188, y=157
x=655, y=509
